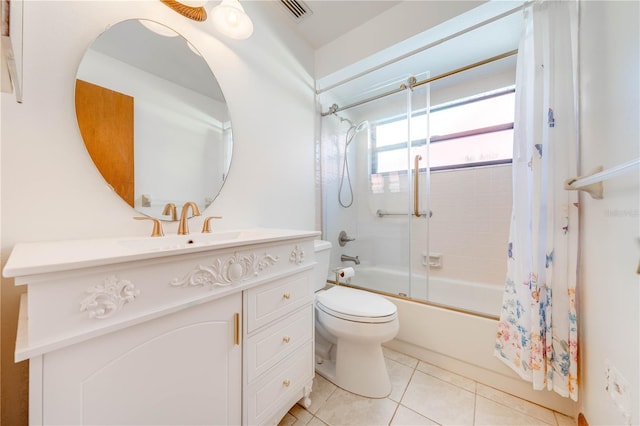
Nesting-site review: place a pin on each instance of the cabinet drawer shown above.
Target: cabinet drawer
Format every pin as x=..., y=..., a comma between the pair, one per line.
x=268, y=347
x=283, y=382
x=268, y=302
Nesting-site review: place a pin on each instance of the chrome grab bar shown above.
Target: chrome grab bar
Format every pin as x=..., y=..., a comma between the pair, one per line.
x=416, y=192
x=416, y=201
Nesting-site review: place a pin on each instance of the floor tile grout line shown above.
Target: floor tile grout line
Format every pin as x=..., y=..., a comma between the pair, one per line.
x=524, y=413
x=394, y=413
x=415, y=368
x=451, y=383
x=475, y=387
x=419, y=414
x=403, y=392
x=323, y=404
x=407, y=386
x=475, y=403
x=535, y=416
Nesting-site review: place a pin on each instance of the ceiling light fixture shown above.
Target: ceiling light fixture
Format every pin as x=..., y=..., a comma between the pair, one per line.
x=229, y=17
x=192, y=9
x=231, y=20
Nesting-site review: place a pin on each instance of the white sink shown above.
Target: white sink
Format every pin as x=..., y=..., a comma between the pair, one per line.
x=44, y=257
x=171, y=242
x=177, y=242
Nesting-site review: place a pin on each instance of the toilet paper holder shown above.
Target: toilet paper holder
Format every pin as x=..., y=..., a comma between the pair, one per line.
x=344, y=273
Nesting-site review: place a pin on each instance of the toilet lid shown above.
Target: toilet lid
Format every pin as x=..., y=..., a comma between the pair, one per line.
x=356, y=305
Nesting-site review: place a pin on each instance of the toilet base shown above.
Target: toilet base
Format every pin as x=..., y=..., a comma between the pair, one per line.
x=326, y=368
x=358, y=368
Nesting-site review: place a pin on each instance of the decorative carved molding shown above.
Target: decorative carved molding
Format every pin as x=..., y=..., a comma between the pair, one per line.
x=222, y=273
x=109, y=297
x=297, y=255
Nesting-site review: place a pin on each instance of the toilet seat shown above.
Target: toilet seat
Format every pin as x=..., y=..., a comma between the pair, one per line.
x=356, y=305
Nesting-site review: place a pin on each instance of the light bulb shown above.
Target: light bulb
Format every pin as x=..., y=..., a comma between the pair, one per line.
x=231, y=20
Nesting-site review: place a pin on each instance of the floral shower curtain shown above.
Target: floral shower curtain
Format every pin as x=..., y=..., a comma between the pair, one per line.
x=537, y=331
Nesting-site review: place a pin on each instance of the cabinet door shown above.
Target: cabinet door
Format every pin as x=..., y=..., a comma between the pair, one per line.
x=183, y=368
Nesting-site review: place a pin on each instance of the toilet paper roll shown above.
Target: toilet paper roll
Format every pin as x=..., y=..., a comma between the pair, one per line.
x=346, y=272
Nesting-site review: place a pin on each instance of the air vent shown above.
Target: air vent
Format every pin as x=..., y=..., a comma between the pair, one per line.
x=297, y=9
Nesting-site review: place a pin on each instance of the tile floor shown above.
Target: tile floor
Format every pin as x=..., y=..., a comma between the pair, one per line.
x=421, y=394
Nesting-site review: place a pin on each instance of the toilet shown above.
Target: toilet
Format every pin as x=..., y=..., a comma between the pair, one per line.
x=351, y=326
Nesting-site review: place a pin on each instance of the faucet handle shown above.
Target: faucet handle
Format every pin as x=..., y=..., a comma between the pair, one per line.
x=205, y=226
x=157, y=227
x=343, y=238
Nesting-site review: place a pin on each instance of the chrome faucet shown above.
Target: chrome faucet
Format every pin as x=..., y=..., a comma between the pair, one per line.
x=170, y=208
x=183, y=227
x=345, y=258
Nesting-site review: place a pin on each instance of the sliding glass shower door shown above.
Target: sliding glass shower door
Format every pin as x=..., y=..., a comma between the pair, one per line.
x=422, y=211
x=375, y=192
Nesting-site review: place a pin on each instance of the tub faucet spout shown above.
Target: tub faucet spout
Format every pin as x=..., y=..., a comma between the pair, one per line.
x=345, y=258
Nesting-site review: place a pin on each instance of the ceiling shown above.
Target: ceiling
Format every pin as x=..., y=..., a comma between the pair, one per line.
x=327, y=20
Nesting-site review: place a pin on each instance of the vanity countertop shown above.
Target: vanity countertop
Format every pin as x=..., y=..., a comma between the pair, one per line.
x=35, y=258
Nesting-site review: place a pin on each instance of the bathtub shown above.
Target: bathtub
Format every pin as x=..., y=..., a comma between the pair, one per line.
x=456, y=339
x=479, y=298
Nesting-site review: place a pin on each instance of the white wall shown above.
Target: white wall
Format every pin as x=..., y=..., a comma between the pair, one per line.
x=470, y=224
x=609, y=289
x=50, y=188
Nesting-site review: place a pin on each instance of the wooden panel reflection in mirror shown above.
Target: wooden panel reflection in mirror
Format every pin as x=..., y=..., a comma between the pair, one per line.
x=105, y=119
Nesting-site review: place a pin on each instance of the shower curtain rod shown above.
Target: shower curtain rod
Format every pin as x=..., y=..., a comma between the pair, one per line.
x=426, y=47
x=411, y=84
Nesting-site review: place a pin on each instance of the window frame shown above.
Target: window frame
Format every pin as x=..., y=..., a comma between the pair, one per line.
x=442, y=138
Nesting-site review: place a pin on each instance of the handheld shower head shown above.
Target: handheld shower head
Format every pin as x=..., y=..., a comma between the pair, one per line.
x=342, y=120
x=357, y=127
x=349, y=136
x=364, y=125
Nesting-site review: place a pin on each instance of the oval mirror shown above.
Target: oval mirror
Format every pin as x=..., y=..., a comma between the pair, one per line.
x=153, y=118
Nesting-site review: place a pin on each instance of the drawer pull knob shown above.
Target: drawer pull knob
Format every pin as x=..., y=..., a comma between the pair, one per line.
x=286, y=296
x=286, y=383
x=286, y=339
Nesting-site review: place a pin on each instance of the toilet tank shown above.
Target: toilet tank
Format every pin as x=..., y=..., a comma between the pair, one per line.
x=321, y=270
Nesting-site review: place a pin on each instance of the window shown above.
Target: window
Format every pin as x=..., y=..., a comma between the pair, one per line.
x=470, y=132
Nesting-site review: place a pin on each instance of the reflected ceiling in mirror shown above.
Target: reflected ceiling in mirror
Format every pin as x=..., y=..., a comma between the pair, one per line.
x=153, y=118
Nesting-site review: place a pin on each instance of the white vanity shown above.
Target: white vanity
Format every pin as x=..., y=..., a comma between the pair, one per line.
x=191, y=329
